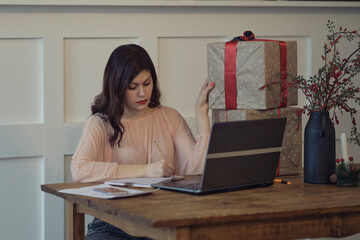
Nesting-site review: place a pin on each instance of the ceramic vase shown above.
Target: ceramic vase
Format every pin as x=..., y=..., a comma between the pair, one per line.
x=319, y=148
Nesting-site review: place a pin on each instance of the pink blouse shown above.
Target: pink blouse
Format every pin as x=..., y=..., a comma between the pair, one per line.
x=95, y=160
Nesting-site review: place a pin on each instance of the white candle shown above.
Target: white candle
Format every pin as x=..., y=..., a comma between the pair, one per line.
x=344, y=148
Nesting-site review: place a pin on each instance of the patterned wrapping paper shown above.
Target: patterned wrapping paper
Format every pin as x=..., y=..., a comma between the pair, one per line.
x=291, y=155
x=257, y=62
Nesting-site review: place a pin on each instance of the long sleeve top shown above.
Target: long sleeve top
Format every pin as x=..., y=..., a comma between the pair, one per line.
x=96, y=160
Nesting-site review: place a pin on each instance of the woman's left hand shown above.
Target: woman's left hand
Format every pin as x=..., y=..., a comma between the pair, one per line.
x=202, y=99
x=202, y=108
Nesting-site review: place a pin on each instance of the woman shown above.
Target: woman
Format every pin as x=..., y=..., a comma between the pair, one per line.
x=118, y=140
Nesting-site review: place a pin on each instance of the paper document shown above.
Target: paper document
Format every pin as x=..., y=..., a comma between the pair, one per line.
x=141, y=182
x=105, y=191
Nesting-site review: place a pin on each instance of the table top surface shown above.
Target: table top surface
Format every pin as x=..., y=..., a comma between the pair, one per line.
x=166, y=208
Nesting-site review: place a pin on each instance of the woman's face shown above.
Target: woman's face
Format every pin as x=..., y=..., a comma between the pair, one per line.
x=138, y=95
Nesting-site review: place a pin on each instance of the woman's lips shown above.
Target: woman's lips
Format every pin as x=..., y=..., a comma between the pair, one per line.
x=142, y=102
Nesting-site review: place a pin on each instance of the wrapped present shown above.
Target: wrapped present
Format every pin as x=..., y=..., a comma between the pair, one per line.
x=240, y=68
x=291, y=155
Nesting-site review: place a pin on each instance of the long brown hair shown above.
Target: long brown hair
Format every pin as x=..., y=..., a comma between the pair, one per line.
x=124, y=64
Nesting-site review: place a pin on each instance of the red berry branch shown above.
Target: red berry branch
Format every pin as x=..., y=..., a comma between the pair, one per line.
x=332, y=88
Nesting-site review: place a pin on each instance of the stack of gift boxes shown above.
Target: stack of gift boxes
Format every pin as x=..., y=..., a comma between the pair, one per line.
x=239, y=75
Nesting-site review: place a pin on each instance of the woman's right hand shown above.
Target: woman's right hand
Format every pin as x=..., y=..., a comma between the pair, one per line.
x=159, y=169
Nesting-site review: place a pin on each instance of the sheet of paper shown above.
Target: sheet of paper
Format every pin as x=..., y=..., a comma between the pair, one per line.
x=93, y=191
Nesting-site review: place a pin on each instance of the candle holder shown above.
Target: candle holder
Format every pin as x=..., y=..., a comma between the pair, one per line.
x=346, y=173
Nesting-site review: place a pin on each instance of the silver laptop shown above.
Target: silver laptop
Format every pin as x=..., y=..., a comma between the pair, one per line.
x=241, y=155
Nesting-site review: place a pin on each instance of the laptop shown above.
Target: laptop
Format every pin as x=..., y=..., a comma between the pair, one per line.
x=240, y=155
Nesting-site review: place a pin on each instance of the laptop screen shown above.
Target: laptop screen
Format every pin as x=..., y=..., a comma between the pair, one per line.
x=243, y=152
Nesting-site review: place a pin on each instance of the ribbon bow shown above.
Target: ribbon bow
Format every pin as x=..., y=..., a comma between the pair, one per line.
x=248, y=35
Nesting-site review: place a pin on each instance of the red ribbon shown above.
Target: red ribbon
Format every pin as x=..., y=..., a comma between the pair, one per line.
x=230, y=75
x=230, y=70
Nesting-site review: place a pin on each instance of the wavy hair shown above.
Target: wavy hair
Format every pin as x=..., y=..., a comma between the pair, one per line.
x=124, y=64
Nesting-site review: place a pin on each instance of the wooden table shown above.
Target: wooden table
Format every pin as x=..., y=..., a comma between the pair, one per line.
x=281, y=211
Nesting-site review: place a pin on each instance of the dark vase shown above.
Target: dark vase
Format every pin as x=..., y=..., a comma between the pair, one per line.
x=319, y=148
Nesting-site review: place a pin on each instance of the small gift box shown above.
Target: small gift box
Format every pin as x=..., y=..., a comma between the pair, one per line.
x=291, y=155
x=240, y=68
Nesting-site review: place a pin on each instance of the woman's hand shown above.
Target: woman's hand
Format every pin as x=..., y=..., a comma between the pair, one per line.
x=156, y=169
x=202, y=99
x=159, y=169
x=202, y=109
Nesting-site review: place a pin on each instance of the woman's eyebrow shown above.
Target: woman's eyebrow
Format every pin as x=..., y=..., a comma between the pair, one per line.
x=149, y=78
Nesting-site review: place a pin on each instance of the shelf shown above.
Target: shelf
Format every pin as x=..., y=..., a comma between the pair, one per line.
x=180, y=3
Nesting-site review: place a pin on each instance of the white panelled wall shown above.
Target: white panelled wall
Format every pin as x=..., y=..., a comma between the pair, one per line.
x=52, y=58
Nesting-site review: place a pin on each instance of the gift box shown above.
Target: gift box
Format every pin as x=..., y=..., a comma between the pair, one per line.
x=291, y=155
x=251, y=64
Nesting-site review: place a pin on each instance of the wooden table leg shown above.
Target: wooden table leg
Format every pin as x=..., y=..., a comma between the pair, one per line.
x=76, y=230
x=182, y=233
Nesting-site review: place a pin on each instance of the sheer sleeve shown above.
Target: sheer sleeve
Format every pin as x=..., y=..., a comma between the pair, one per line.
x=91, y=161
x=190, y=152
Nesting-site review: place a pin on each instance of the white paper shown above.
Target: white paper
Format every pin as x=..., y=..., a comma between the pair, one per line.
x=90, y=192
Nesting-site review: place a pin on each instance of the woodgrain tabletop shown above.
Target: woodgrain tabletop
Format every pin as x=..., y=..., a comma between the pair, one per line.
x=281, y=211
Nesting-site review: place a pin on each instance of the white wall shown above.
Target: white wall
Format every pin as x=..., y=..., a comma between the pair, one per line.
x=52, y=57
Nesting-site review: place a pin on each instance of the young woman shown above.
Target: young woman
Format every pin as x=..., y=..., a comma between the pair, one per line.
x=120, y=138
